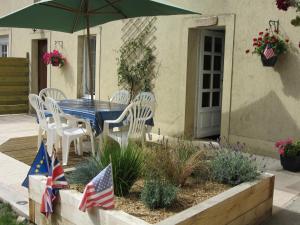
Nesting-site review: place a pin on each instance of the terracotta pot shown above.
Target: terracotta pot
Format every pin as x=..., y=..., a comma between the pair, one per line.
x=290, y=163
x=268, y=62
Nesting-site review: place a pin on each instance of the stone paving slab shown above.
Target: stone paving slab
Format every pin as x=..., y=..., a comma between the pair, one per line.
x=290, y=215
x=12, y=173
x=17, y=125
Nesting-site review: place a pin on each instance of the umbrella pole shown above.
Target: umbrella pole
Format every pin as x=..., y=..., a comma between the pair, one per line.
x=91, y=80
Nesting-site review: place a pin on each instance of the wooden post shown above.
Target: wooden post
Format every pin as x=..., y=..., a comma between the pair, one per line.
x=31, y=211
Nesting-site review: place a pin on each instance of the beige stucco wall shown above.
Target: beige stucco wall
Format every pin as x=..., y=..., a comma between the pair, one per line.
x=260, y=104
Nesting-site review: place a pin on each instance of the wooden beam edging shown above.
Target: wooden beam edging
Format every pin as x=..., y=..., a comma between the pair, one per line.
x=67, y=208
x=247, y=203
x=228, y=206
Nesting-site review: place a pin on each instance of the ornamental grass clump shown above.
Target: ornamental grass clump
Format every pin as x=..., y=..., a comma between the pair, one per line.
x=126, y=164
x=233, y=167
x=175, y=163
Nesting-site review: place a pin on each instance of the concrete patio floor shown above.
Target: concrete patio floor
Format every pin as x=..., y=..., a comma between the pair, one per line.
x=17, y=125
x=286, y=202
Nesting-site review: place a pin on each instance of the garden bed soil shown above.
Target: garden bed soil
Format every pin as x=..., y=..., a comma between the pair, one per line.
x=188, y=196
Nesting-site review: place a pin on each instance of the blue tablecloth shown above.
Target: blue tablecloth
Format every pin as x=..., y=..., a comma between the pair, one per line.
x=95, y=111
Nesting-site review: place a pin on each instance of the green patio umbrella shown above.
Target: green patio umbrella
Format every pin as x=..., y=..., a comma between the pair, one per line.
x=74, y=15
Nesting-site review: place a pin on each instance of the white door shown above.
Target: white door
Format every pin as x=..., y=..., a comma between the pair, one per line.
x=211, y=60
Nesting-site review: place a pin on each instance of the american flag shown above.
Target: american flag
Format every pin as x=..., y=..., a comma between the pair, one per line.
x=269, y=52
x=56, y=180
x=99, y=192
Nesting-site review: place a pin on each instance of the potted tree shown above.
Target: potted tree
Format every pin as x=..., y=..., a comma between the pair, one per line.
x=289, y=154
x=269, y=45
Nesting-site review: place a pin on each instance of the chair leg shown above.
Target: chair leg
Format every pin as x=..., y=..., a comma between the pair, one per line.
x=65, y=149
x=79, y=146
x=124, y=142
x=40, y=133
x=50, y=141
x=92, y=144
x=57, y=141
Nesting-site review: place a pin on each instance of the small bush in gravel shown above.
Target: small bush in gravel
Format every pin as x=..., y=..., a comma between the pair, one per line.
x=233, y=167
x=158, y=194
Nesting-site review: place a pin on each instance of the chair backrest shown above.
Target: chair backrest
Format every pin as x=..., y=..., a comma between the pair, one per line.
x=145, y=97
x=53, y=93
x=39, y=106
x=56, y=112
x=137, y=114
x=121, y=97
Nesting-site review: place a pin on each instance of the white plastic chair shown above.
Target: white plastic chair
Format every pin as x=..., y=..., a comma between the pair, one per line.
x=137, y=114
x=44, y=126
x=145, y=97
x=68, y=134
x=53, y=93
x=121, y=97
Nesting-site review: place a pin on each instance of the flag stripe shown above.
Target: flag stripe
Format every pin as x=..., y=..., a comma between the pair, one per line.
x=99, y=192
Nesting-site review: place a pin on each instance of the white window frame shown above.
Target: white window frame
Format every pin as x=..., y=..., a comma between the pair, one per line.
x=85, y=71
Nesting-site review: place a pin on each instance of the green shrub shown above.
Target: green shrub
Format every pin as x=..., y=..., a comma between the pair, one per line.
x=233, y=167
x=7, y=216
x=126, y=164
x=158, y=194
x=175, y=163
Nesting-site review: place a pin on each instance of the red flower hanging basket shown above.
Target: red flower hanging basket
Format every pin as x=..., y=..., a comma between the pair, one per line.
x=54, y=58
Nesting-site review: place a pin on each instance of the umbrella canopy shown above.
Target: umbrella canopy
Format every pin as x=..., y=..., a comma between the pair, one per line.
x=74, y=15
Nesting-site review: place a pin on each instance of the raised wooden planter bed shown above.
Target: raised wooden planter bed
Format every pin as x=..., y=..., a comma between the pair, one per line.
x=248, y=203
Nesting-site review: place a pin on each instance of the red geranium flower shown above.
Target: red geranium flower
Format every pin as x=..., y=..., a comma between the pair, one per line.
x=261, y=33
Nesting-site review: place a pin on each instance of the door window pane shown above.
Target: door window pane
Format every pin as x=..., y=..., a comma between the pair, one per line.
x=205, y=99
x=217, y=63
x=217, y=81
x=207, y=44
x=206, y=81
x=207, y=62
x=218, y=45
x=216, y=99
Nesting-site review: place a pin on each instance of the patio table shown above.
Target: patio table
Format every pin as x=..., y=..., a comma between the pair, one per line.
x=95, y=111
